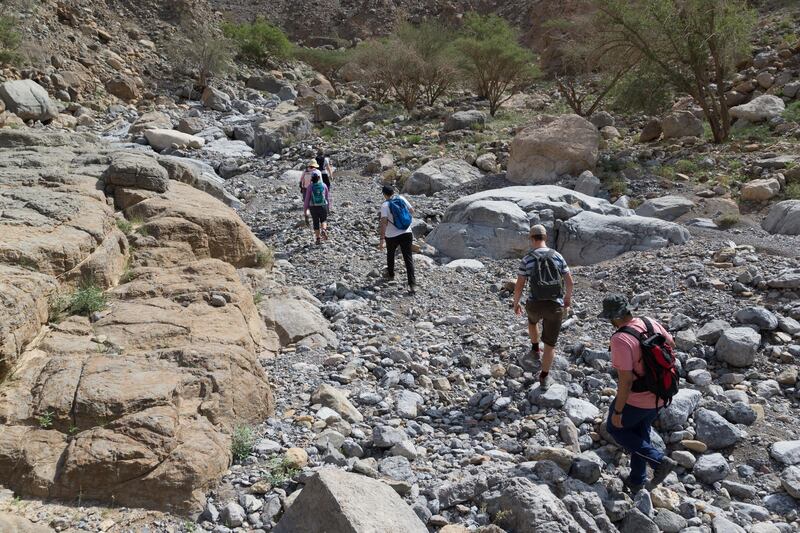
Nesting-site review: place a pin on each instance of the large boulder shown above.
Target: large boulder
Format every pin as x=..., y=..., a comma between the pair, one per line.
x=738, y=346
x=139, y=171
x=161, y=139
x=335, y=501
x=12, y=523
x=463, y=120
x=585, y=229
x=28, y=100
x=440, y=174
x=273, y=135
x=760, y=190
x=589, y=237
x=551, y=146
x=140, y=401
x=682, y=124
x=716, y=432
x=758, y=109
x=150, y=120
x=665, y=207
x=783, y=218
x=123, y=87
x=266, y=82
x=215, y=99
x=199, y=175
x=295, y=316
x=529, y=507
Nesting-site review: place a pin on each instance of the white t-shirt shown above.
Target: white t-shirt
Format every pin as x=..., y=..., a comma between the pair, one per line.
x=391, y=229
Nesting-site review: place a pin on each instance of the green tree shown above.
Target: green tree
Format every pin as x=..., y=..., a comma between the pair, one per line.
x=10, y=39
x=432, y=43
x=206, y=53
x=327, y=62
x=694, y=44
x=492, y=59
x=258, y=41
x=390, y=67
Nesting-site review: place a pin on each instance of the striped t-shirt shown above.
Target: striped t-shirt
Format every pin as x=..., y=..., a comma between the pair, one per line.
x=529, y=260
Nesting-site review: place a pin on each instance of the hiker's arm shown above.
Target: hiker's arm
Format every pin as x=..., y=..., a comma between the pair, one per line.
x=623, y=390
x=307, y=199
x=570, y=285
x=518, y=286
x=384, y=222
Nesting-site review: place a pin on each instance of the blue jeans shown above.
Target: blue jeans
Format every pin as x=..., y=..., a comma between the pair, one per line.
x=634, y=436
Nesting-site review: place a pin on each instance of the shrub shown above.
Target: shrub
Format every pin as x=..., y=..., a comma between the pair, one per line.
x=124, y=226
x=328, y=132
x=280, y=471
x=88, y=299
x=642, y=89
x=266, y=258
x=727, y=221
x=10, y=40
x=685, y=166
x=45, y=420
x=242, y=441
x=492, y=59
x=792, y=112
x=793, y=191
x=258, y=41
x=327, y=62
x=205, y=53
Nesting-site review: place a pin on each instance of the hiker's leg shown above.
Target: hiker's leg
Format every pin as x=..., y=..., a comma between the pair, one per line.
x=533, y=333
x=408, y=257
x=391, y=249
x=551, y=327
x=631, y=436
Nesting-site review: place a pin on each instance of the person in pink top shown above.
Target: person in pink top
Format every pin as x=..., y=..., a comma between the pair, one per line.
x=634, y=409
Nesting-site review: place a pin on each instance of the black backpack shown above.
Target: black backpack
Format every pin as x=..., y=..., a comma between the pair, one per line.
x=545, y=280
x=658, y=358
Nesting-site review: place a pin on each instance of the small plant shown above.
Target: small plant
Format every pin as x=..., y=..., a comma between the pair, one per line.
x=45, y=420
x=258, y=298
x=266, y=258
x=58, y=305
x=242, y=441
x=328, y=132
x=190, y=527
x=501, y=516
x=617, y=187
x=793, y=191
x=88, y=299
x=143, y=231
x=125, y=226
x=727, y=221
x=413, y=139
x=685, y=166
x=280, y=471
x=792, y=112
x=752, y=133
x=72, y=431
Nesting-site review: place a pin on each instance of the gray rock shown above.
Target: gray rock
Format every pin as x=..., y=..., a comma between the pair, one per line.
x=636, y=522
x=138, y=171
x=530, y=508
x=397, y=467
x=783, y=218
x=790, y=480
x=233, y=515
x=768, y=388
x=669, y=522
x=665, y=207
x=588, y=184
x=602, y=119
x=757, y=316
x=555, y=396
x=788, y=325
x=273, y=135
x=651, y=131
x=28, y=100
x=711, y=468
x=678, y=412
x=786, y=452
x=741, y=413
x=587, y=467
x=338, y=502
x=387, y=436
x=462, y=120
x=758, y=109
x=326, y=111
x=267, y=447
x=682, y=124
x=723, y=525
x=407, y=402
x=287, y=93
x=580, y=411
x=215, y=99
x=266, y=82
x=710, y=332
x=738, y=346
x=335, y=399
x=715, y=431
x=464, y=490
x=440, y=174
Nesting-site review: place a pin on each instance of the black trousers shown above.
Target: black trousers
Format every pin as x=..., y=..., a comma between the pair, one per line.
x=326, y=180
x=404, y=242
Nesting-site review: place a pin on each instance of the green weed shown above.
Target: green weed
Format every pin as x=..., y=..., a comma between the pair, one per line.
x=45, y=420
x=242, y=441
x=413, y=139
x=793, y=191
x=727, y=221
x=328, y=132
x=754, y=133
x=280, y=471
x=88, y=299
x=792, y=112
x=124, y=226
x=685, y=166
x=266, y=258
x=258, y=298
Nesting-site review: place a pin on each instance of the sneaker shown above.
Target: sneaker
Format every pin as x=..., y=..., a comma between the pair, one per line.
x=546, y=380
x=535, y=354
x=412, y=289
x=319, y=241
x=662, y=471
x=632, y=487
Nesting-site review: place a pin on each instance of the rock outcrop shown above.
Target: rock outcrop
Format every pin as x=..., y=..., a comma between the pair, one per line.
x=28, y=100
x=783, y=218
x=440, y=174
x=135, y=403
x=552, y=146
x=585, y=229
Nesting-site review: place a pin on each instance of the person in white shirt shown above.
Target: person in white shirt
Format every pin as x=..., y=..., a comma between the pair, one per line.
x=305, y=179
x=393, y=236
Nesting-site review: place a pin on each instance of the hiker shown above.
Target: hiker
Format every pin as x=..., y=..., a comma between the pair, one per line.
x=312, y=169
x=550, y=295
x=316, y=203
x=325, y=168
x=395, y=230
x=636, y=406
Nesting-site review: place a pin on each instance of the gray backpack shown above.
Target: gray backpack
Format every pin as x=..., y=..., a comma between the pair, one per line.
x=545, y=280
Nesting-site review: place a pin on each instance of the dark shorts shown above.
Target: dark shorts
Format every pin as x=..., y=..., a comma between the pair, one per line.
x=319, y=214
x=551, y=314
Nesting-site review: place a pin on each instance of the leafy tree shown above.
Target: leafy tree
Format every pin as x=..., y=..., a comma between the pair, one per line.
x=206, y=53
x=327, y=62
x=10, y=39
x=694, y=44
x=258, y=41
x=642, y=89
x=432, y=43
x=492, y=59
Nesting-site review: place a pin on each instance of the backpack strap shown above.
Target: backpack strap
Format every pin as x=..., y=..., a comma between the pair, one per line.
x=649, y=326
x=636, y=334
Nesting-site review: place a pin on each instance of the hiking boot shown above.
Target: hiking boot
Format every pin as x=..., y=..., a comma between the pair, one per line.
x=545, y=380
x=319, y=241
x=412, y=289
x=632, y=487
x=661, y=472
x=535, y=354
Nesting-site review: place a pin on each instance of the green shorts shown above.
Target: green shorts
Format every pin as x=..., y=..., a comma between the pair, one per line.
x=551, y=314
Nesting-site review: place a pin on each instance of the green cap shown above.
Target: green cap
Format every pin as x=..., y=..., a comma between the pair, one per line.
x=615, y=306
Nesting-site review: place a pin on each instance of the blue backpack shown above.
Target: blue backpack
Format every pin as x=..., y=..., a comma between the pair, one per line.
x=400, y=213
x=318, y=194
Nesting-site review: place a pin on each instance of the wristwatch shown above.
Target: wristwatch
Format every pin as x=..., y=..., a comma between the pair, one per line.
x=617, y=412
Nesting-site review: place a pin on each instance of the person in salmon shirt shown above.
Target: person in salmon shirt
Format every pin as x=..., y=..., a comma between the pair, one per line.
x=634, y=410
